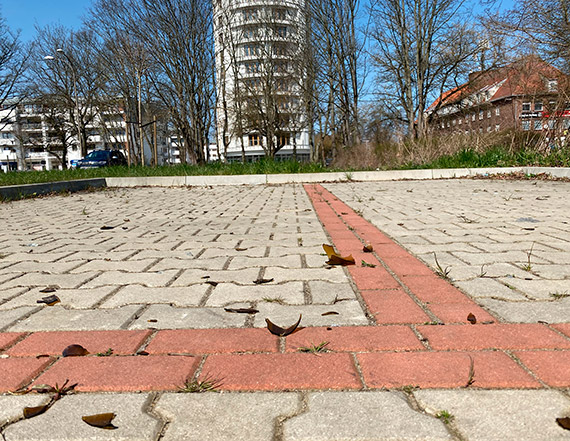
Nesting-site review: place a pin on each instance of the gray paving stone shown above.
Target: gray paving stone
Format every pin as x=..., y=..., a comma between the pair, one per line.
x=510, y=415
x=333, y=275
x=8, y=293
x=168, y=317
x=38, y=279
x=88, y=255
x=291, y=261
x=10, y=316
x=485, y=287
x=539, y=289
x=56, y=318
x=138, y=294
x=246, y=252
x=192, y=276
x=362, y=416
x=152, y=279
x=225, y=416
x=279, y=251
x=70, y=298
x=63, y=420
x=40, y=267
x=12, y=407
x=130, y=266
x=226, y=293
x=530, y=312
x=350, y=313
x=328, y=293
x=178, y=263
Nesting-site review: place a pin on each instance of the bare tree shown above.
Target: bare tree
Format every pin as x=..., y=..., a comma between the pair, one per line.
x=337, y=48
x=13, y=64
x=421, y=48
x=65, y=67
x=543, y=27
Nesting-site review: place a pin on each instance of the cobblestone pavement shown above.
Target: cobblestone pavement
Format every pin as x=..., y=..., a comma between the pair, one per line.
x=505, y=243
x=403, y=361
x=174, y=259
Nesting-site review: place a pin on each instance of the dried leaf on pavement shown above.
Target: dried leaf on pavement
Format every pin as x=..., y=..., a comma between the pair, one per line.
x=242, y=310
x=49, y=289
x=329, y=313
x=49, y=300
x=564, y=422
x=282, y=332
x=471, y=318
x=335, y=258
x=74, y=351
x=368, y=248
x=30, y=412
x=262, y=281
x=101, y=420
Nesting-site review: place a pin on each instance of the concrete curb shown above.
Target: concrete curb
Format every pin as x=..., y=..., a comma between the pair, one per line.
x=13, y=192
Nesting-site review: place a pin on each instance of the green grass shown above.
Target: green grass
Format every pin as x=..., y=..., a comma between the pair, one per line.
x=497, y=157
x=252, y=168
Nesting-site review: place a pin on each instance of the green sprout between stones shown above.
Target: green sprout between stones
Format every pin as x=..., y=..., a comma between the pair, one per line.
x=528, y=265
x=315, y=349
x=559, y=295
x=444, y=416
x=208, y=384
x=442, y=272
x=278, y=300
x=367, y=265
x=107, y=353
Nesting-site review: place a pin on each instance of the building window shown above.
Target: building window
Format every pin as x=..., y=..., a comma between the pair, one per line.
x=537, y=124
x=250, y=14
x=460, y=121
x=566, y=124
x=447, y=123
x=7, y=135
x=497, y=111
x=480, y=129
x=249, y=33
x=489, y=113
x=454, y=122
x=526, y=125
x=281, y=31
x=550, y=124
x=473, y=117
x=250, y=50
x=526, y=107
x=552, y=85
x=497, y=127
x=254, y=140
x=538, y=106
x=279, y=14
x=488, y=129
x=283, y=140
x=252, y=67
x=480, y=114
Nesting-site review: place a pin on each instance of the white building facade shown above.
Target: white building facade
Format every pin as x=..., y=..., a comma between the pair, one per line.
x=260, y=79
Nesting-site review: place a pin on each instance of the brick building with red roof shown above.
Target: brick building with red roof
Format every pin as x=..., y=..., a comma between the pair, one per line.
x=524, y=95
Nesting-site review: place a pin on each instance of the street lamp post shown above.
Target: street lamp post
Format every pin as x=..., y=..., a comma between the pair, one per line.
x=76, y=113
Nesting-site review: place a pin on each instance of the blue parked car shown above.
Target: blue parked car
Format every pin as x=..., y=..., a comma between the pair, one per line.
x=102, y=158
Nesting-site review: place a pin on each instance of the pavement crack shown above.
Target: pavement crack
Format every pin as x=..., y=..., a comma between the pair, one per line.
x=139, y=312
x=149, y=409
x=450, y=425
x=303, y=407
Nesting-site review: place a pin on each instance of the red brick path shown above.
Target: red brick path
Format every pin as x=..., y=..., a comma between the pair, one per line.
x=422, y=338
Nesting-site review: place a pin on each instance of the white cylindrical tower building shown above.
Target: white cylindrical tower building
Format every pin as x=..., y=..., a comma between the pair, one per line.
x=260, y=80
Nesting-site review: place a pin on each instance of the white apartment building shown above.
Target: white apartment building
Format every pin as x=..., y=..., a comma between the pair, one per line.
x=28, y=141
x=259, y=77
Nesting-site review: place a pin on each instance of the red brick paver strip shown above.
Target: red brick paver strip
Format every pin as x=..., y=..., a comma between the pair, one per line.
x=212, y=341
x=563, y=327
x=283, y=371
x=458, y=312
x=393, y=306
x=53, y=343
x=494, y=336
x=9, y=338
x=552, y=367
x=122, y=374
x=17, y=372
x=356, y=339
x=443, y=370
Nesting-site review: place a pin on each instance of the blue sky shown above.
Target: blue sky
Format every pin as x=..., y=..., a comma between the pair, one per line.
x=25, y=14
